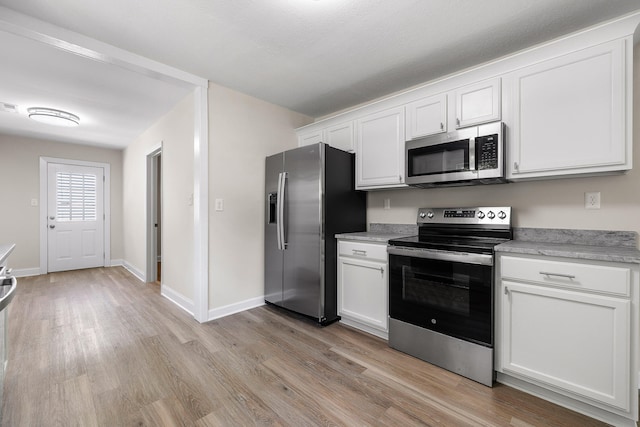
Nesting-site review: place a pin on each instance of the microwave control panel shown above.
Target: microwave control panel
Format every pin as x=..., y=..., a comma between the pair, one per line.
x=487, y=152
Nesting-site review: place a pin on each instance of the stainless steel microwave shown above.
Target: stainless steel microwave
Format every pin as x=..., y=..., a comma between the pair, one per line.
x=473, y=155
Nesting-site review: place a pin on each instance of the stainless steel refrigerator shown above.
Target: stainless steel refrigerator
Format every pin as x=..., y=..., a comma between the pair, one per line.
x=310, y=196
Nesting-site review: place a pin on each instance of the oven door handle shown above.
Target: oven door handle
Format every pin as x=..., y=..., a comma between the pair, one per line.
x=462, y=257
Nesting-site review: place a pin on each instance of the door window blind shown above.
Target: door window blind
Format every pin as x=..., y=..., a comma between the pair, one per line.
x=76, y=196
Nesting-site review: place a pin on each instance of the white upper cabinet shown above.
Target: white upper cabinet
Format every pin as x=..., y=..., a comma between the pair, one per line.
x=310, y=137
x=478, y=103
x=426, y=116
x=340, y=136
x=380, y=150
x=569, y=114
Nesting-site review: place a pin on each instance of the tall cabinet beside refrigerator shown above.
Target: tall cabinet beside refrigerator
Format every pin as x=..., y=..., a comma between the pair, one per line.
x=310, y=196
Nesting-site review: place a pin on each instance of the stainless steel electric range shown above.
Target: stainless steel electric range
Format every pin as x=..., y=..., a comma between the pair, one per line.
x=441, y=288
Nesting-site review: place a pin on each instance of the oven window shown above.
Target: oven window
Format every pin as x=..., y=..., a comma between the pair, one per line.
x=441, y=158
x=448, y=293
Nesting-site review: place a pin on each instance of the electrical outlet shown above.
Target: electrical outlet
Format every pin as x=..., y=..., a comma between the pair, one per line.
x=34, y=202
x=592, y=200
x=387, y=204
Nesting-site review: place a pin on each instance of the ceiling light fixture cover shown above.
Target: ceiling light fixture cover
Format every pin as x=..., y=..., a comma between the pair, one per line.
x=53, y=117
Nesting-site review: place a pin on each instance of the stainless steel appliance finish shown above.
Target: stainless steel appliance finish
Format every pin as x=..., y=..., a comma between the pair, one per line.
x=441, y=288
x=453, y=354
x=468, y=156
x=309, y=198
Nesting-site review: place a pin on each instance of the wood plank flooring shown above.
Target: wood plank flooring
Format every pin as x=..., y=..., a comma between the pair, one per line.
x=99, y=348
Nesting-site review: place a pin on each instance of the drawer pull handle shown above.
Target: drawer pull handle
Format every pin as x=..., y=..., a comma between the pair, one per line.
x=359, y=252
x=566, y=276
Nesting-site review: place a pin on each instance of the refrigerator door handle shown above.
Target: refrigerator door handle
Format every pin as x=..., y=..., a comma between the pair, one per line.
x=281, y=206
x=278, y=204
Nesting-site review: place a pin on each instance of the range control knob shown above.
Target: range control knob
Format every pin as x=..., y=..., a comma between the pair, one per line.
x=480, y=214
x=422, y=215
x=430, y=214
x=491, y=215
x=502, y=215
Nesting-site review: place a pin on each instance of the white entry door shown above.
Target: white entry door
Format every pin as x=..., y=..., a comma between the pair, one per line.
x=75, y=217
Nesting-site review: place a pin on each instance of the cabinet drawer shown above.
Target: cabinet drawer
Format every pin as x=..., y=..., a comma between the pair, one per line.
x=363, y=250
x=573, y=275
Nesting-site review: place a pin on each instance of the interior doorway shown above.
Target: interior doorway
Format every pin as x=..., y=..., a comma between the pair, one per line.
x=154, y=216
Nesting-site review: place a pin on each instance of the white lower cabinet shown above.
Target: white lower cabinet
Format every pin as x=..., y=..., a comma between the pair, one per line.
x=570, y=327
x=362, y=286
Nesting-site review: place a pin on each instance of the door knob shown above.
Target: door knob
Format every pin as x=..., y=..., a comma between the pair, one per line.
x=52, y=226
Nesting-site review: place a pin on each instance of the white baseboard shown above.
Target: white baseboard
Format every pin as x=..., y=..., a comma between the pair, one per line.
x=178, y=299
x=135, y=271
x=216, y=313
x=25, y=272
x=116, y=263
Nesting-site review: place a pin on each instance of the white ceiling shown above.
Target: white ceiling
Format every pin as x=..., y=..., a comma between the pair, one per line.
x=311, y=56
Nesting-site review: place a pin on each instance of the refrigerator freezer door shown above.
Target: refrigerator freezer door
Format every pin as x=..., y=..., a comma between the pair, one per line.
x=273, y=256
x=303, y=289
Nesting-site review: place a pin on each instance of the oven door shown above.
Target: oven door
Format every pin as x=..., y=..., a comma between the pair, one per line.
x=447, y=292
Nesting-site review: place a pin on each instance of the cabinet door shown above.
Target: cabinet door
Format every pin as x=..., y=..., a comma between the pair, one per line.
x=362, y=291
x=478, y=103
x=568, y=114
x=309, y=137
x=426, y=116
x=576, y=342
x=380, y=150
x=340, y=136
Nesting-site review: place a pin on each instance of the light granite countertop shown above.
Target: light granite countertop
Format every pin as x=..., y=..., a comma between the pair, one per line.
x=611, y=246
x=5, y=250
x=381, y=233
x=371, y=236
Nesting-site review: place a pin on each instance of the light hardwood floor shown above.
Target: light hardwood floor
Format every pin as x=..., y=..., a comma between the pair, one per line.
x=99, y=348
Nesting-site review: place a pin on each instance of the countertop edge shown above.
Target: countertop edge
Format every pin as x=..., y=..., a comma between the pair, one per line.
x=621, y=254
x=370, y=236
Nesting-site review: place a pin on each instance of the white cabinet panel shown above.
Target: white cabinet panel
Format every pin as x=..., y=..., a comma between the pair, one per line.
x=340, y=136
x=426, y=116
x=569, y=114
x=363, y=293
x=478, y=103
x=572, y=275
x=310, y=137
x=574, y=341
x=380, y=150
x=363, y=286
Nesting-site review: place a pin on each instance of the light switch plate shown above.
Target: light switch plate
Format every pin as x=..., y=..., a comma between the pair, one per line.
x=219, y=205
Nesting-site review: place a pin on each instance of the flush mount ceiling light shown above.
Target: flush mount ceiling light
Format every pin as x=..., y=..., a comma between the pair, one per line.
x=53, y=117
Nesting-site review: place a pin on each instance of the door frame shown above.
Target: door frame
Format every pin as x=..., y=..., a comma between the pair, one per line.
x=44, y=202
x=151, y=208
x=74, y=43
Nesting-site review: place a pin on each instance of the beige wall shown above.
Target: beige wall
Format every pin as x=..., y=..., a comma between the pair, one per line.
x=242, y=132
x=557, y=203
x=175, y=132
x=20, y=183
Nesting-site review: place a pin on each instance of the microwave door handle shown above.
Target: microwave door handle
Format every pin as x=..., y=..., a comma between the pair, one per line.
x=472, y=154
